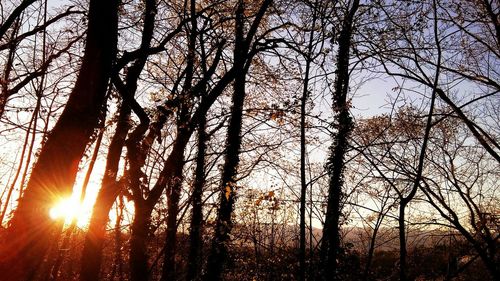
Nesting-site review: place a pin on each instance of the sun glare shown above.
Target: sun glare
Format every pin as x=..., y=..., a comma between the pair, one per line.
x=72, y=208
x=69, y=209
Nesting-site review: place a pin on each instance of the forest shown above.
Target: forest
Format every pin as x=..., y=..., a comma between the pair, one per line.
x=249, y=140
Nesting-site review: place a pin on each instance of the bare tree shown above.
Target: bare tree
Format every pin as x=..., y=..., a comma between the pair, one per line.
x=459, y=188
x=242, y=60
x=331, y=232
x=92, y=252
x=13, y=16
x=31, y=231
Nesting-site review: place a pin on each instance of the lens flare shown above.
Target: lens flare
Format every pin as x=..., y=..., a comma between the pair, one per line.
x=69, y=209
x=64, y=209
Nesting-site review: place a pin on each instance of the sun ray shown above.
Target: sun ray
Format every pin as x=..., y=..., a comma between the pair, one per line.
x=69, y=209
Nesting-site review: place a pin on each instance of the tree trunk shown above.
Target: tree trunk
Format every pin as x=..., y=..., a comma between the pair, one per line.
x=144, y=207
x=138, y=262
x=4, y=83
x=118, y=260
x=402, y=243
x=303, y=183
x=196, y=245
x=330, y=246
x=173, y=196
x=195, y=257
x=369, y=259
x=31, y=230
x=175, y=183
x=218, y=253
x=94, y=239
x=110, y=188
x=65, y=244
x=371, y=249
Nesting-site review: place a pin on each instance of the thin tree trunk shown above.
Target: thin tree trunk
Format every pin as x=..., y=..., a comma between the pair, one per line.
x=369, y=258
x=32, y=143
x=94, y=239
x=110, y=188
x=18, y=170
x=195, y=257
x=118, y=263
x=403, y=276
x=218, y=253
x=303, y=180
x=39, y=93
x=169, y=265
x=4, y=83
x=196, y=245
x=330, y=248
x=44, y=270
x=8, y=181
x=53, y=273
x=31, y=230
x=173, y=196
x=418, y=177
x=137, y=154
x=373, y=239
x=72, y=228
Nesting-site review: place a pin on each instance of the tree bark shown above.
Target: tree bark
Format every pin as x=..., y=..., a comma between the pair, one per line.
x=330, y=247
x=175, y=183
x=303, y=180
x=65, y=244
x=31, y=230
x=218, y=253
x=195, y=232
x=373, y=239
x=196, y=244
x=139, y=242
x=118, y=260
x=175, y=161
x=110, y=188
x=403, y=276
x=173, y=196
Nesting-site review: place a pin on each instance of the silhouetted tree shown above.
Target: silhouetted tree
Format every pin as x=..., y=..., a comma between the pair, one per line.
x=227, y=188
x=330, y=246
x=31, y=231
x=110, y=187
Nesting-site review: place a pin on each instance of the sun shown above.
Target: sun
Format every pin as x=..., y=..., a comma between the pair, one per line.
x=64, y=209
x=69, y=209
